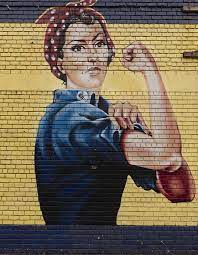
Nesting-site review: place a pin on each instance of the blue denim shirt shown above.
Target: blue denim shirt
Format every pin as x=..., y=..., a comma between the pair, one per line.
x=80, y=169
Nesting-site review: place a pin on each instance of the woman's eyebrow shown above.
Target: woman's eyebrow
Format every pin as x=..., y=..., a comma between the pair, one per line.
x=95, y=37
x=84, y=41
x=78, y=41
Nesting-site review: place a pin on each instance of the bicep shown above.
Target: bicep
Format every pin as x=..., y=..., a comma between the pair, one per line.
x=143, y=150
x=139, y=149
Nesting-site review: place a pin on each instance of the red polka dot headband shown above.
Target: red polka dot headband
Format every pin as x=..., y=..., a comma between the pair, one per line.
x=57, y=18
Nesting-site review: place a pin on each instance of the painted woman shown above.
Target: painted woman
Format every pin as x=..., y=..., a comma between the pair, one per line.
x=86, y=147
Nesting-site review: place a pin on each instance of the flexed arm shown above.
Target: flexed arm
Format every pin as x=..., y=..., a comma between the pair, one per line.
x=162, y=150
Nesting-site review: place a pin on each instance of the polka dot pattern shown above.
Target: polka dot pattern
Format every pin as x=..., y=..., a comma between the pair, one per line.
x=53, y=58
x=53, y=11
x=83, y=3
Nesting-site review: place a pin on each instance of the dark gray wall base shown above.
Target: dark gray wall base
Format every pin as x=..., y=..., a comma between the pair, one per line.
x=98, y=240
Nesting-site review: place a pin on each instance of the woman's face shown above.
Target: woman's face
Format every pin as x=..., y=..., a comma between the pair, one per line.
x=85, y=56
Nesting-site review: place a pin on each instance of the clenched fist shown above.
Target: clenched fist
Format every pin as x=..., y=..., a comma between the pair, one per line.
x=136, y=57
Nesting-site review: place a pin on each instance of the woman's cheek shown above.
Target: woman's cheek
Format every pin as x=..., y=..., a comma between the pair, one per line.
x=71, y=60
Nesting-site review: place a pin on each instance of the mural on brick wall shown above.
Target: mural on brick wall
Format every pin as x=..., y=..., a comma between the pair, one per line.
x=86, y=147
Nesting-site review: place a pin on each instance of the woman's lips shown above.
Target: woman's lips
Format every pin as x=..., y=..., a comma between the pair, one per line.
x=93, y=71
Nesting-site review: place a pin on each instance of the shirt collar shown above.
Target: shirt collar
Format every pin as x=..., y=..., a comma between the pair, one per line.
x=65, y=96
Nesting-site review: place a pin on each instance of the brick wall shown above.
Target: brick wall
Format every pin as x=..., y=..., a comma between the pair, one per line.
x=26, y=89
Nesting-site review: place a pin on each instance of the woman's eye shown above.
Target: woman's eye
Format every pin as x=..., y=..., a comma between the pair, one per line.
x=100, y=44
x=77, y=48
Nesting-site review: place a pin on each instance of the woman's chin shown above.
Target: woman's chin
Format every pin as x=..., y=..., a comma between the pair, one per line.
x=85, y=83
x=94, y=81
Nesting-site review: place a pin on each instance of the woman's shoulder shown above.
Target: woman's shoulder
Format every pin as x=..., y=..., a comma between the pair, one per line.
x=68, y=105
x=79, y=110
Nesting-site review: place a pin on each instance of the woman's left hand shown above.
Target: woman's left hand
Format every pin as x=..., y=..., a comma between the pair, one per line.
x=125, y=115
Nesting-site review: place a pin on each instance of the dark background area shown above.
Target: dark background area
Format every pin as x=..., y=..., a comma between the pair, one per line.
x=115, y=11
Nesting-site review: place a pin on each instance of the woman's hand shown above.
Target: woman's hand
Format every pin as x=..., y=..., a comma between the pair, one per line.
x=127, y=116
x=136, y=57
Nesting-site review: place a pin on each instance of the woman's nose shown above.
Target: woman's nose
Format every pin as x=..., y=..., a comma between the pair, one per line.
x=93, y=56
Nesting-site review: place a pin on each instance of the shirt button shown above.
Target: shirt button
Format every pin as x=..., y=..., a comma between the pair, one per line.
x=83, y=96
x=94, y=167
